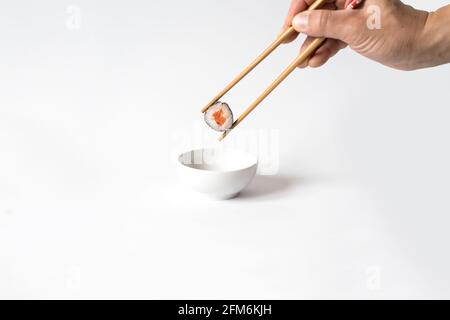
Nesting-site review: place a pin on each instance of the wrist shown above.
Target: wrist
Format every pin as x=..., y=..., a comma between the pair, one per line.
x=432, y=45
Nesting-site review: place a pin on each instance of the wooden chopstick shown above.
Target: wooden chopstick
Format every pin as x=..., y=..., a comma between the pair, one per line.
x=303, y=56
x=299, y=60
x=260, y=58
x=252, y=66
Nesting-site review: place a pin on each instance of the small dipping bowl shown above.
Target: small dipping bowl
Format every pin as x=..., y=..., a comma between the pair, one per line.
x=217, y=173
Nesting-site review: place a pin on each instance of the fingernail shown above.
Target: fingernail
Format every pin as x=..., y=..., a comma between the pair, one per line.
x=300, y=22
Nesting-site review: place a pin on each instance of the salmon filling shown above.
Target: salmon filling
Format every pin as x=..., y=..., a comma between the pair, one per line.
x=219, y=117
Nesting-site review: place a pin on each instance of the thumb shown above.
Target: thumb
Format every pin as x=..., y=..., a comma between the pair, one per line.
x=339, y=24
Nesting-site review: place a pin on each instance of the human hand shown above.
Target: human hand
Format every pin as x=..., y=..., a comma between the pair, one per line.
x=399, y=41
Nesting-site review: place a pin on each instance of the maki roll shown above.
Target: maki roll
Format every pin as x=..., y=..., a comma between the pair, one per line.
x=219, y=117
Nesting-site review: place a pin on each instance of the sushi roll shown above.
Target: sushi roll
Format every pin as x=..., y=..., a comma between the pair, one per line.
x=219, y=117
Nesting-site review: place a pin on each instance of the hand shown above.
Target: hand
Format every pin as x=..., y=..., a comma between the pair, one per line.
x=402, y=41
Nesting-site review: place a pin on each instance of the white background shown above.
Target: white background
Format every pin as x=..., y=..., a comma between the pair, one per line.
x=91, y=117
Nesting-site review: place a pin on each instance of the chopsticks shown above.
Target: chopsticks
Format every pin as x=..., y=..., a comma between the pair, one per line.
x=299, y=60
x=260, y=58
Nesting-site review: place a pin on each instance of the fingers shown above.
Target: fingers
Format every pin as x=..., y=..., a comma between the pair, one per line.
x=342, y=24
x=298, y=6
x=305, y=44
x=330, y=48
x=323, y=54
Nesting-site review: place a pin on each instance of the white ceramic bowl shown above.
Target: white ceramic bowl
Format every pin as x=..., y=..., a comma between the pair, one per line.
x=217, y=173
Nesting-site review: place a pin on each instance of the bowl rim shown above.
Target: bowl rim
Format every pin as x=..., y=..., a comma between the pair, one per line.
x=183, y=165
